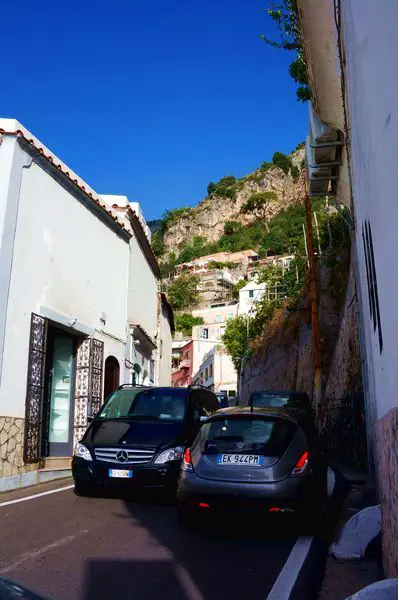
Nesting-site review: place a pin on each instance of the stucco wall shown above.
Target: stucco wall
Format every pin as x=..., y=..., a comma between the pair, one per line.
x=372, y=80
x=209, y=315
x=370, y=38
x=164, y=349
x=142, y=291
x=66, y=261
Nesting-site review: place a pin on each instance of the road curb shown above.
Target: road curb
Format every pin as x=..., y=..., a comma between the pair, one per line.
x=302, y=575
x=302, y=572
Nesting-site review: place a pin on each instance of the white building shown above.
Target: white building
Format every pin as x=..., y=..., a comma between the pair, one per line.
x=249, y=296
x=77, y=278
x=217, y=372
x=350, y=50
x=217, y=313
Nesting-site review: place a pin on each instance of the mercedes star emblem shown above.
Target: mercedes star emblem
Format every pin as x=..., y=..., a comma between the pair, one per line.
x=122, y=456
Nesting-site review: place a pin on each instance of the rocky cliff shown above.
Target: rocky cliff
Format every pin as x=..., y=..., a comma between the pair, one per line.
x=209, y=217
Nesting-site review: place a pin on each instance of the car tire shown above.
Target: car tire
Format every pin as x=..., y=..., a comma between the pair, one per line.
x=84, y=489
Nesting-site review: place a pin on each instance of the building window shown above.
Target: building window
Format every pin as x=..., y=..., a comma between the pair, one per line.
x=222, y=331
x=373, y=293
x=211, y=371
x=206, y=374
x=218, y=318
x=251, y=293
x=230, y=315
x=204, y=334
x=187, y=355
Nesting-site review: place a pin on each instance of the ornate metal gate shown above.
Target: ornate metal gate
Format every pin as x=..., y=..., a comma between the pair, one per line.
x=35, y=389
x=88, y=388
x=87, y=395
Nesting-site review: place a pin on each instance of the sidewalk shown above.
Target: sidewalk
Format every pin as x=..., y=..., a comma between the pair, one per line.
x=344, y=578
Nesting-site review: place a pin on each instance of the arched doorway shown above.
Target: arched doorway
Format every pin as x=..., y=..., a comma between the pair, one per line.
x=112, y=375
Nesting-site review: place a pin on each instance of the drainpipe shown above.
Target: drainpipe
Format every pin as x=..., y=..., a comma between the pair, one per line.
x=316, y=353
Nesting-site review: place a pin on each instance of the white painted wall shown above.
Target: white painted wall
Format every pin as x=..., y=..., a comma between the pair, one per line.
x=371, y=42
x=216, y=315
x=142, y=291
x=247, y=303
x=224, y=374
x=164, y=350
x=201, y=346
x=66, y=261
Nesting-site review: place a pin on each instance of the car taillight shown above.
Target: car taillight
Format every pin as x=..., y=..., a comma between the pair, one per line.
x=301, y=465
x=186, y=461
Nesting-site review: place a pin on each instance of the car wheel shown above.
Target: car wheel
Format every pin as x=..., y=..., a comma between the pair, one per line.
x=83, y=489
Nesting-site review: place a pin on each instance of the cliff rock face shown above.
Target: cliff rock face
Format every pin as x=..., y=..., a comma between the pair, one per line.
x=208, y=218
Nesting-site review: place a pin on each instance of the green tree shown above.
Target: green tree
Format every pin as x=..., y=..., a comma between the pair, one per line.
x=158, y=244
x=211, y=188
x=237, y=287
x=192, y=250
x=231, y=227
x=282, y=161
x=184, y=292
x=235, y=340
x=286, y=18
x=258, y=203
x=185, y=321
x=295, y=173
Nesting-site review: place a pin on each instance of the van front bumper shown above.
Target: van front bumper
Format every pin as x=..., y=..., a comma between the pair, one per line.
x=150, y=475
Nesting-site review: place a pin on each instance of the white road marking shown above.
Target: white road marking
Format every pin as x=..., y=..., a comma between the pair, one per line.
x=331, y=479
x=25, y=498
x=189, y=587
x=31, y=556
x=283, y=586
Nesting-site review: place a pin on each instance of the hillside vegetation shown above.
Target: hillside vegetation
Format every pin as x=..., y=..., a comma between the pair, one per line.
x=236, y=214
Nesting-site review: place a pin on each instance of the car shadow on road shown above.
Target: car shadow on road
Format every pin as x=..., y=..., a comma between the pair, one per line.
x=218, y=560
x=133, y=580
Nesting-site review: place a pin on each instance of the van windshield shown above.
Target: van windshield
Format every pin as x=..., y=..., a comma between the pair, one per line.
x=150, y=404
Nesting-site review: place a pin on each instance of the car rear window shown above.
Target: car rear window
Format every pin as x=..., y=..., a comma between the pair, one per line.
x=151, y=404
x=265, y=400
x=263, y=435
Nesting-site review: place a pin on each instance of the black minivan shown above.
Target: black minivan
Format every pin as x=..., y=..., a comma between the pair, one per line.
x=139, y=436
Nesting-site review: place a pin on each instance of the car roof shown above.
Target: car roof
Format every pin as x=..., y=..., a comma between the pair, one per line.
x=247, y=411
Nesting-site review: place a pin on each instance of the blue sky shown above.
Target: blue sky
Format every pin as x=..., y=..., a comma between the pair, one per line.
x=150, y=98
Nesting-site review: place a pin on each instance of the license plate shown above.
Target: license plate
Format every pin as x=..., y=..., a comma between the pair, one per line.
x=120, y=473
x=252, y=460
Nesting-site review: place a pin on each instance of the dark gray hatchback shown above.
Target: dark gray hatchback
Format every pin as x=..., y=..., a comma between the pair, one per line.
x=256, y=460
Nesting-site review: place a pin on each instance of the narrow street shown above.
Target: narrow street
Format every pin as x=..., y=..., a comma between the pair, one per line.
x=99, y=548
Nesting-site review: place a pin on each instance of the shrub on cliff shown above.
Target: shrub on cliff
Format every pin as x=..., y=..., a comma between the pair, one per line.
x=184, y=292
x=185, y=321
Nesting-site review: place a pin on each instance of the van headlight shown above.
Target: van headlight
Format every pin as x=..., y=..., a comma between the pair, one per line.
x=82, y=452
x=169, y=455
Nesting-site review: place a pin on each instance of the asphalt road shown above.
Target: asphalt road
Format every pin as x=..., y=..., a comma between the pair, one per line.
x=117, y=549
